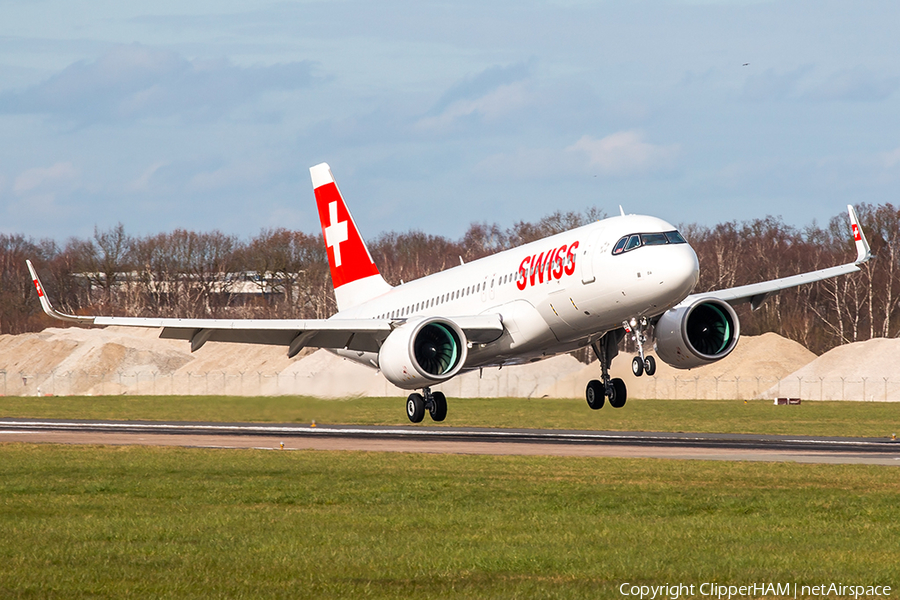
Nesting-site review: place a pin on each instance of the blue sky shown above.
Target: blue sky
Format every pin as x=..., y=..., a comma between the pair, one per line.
x=207, y=114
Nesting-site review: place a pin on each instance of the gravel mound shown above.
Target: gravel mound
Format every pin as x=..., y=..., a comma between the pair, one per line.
x=868, y=371
x=120, y=360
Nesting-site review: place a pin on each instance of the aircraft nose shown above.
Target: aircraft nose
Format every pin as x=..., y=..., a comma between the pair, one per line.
x=683, y=270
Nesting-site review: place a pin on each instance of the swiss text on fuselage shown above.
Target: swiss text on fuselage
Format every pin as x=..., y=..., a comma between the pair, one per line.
x=549, y=265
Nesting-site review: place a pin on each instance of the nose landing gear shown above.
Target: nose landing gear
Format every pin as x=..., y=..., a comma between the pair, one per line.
x=434, y=402
x=640, y=364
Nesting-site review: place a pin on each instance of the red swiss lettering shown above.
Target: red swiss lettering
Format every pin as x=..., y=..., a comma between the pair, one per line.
x=552, y=264
x=570, y=268
x=558, y=262
x=522, y=279
x=537, y=264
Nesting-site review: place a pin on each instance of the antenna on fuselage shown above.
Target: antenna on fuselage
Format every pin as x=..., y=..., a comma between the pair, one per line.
x=621, y=210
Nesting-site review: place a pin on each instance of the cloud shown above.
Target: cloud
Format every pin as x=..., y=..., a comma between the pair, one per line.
x=771, y=85
x=625, y=153
x=483, y=83
x=891, y=159
x=494, y=105
x=855, y=85
x=622, y=154
x=525, y=164
x=133, y=81
x=37, y=190
x=142, y=183
x=236, y=174
x=62, y=174
x=489, y=95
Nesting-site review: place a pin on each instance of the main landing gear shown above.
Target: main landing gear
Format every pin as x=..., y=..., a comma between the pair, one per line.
x=640, y=364
x=434, y=402
x=597, y=392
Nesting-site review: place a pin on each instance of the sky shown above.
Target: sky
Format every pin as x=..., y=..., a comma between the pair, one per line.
x=207, y=115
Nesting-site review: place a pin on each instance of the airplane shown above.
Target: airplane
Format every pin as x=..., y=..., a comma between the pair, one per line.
x=589, y=286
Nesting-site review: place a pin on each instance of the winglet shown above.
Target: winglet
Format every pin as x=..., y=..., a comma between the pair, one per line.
x=863, y=253
x=45, y=303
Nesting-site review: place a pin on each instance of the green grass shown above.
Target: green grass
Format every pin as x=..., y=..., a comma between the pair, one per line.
x=136, y=522
x=867, y=419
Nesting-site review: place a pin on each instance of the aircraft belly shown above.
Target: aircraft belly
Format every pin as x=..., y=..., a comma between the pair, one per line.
x=524, y=331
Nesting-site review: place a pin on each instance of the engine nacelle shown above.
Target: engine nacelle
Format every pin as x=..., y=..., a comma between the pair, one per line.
x=696, y=335
x=421, y=353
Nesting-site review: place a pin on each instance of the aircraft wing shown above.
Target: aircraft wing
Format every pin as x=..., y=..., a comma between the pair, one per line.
x=364, y=335
x=756, y=293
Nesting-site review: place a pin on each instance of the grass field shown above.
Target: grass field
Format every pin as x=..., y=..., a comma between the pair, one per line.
x=867, y=419
x=136, y=522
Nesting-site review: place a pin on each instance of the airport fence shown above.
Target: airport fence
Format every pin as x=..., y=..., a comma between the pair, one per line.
x=496, y=383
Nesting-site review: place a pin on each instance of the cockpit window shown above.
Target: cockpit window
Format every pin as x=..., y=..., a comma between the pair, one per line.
x=654, y=239
x=633, y=242
x=636, y=240
x=675, y=238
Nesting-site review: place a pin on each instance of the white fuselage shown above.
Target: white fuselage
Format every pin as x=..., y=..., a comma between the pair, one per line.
x=550, y=305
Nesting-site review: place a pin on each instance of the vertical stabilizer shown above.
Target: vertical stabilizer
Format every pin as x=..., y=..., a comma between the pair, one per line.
x=353, y=272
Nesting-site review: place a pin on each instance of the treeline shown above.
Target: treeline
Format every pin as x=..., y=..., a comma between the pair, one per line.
x=281, y=273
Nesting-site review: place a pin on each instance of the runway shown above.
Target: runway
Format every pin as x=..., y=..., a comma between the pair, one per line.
x=457, y=440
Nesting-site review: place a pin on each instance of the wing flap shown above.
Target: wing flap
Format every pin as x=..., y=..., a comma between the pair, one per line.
x=481, y=329
x=309, y=337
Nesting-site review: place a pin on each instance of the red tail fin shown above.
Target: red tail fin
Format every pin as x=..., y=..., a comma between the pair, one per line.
x=353, y=272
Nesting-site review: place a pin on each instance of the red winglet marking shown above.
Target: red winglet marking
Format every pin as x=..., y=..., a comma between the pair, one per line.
x=37, y=286
x=856, y=236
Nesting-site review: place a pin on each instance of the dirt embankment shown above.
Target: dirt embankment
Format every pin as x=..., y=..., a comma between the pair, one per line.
x=118, y=360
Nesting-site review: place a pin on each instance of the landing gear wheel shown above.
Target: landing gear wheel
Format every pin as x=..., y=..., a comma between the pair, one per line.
x=595, y=394
x=438, y=407
x=617, y=393
x=415, y=408
x=650, y=366
x=637, y=366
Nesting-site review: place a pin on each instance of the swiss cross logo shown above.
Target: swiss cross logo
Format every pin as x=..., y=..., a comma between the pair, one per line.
x=347, y=255
x=335, y=232
x=856, y=235
x=37, y=286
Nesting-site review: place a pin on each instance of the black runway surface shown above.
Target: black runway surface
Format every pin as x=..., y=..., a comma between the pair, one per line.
x=460, y=439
